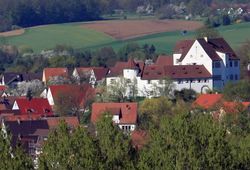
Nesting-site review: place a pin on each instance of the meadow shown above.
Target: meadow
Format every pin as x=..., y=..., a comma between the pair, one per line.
x=46, y=37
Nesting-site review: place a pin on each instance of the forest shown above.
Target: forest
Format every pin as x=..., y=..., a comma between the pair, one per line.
x=25, y=13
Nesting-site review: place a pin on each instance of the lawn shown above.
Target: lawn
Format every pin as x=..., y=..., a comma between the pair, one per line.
x=235, y=35
x=45, y=37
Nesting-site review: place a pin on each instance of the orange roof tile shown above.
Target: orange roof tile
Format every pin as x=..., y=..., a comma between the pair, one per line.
x=207, y=101
x=52, y=72
x=128, y=111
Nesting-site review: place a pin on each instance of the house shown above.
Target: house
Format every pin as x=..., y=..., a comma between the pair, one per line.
x=49, y=73
x=12, y=79
x=78, y=93
x=203, y=64
x=31, y=134
x=216, y=105
x=33, y=106
x=123, y=114
x=214, y=54
x=94, y=75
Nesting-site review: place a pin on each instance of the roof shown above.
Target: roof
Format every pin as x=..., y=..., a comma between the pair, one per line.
x=128, y=111
x=52, y=72
x=37, y=106
x=2, y=88
x=10, y=77
x=100, y=72
x=117, y=70
x=80, y=92
x=156, y=72
x=53, y=122
x=164, y=60
x=207, y=101
x=139, y=138
x=235, y=107
x=211, y=46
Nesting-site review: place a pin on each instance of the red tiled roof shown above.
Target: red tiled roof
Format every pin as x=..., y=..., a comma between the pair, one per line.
x=235, y=107
x=210, y=46
x=207, y=101
x=52, y=72
x=80, y=92
x=120, y=66
x=139, y=138
x=35, y=106
x=100, y=72
x=2, y=88
x=128, y=111
x=53, y=122
x=164, y=60
x=156, y=72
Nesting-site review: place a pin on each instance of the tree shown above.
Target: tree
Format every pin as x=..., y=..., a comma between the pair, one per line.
x=69, y=149
x=239, y=91
x=208, y=32
x=58, y=80
x=186, y=141
x=118, y=90
x=116, y=151
x=163, y=88
x=12, y=157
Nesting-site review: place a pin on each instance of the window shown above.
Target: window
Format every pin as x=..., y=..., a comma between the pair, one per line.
x=199, y=80
x=191, y=56
x=201, y=55
x=231, y=64
x=179, y=82
x=149, y=81
x=205, y=80
x=217, y=64
x=217, y=77
x=231, y=77
x=187, y=81
x=235, y=63
x=160, y=81
x=236, y=77
x=112, y=81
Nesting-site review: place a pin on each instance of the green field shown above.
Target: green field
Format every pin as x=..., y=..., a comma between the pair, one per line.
x=47, y=37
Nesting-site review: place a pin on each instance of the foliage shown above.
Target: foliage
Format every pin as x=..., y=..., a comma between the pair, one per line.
x=207, y=32
x=186, y=141
x=187, y=95
x=237, y=91
x=115, y=148
x=12, y=158
x=66, y=149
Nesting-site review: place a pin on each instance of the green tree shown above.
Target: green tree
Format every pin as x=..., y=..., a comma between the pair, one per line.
x=67, y=149
x=115, y=147
x=12, y=157
x=239, y=91
x=207, y=32
x=186, y=141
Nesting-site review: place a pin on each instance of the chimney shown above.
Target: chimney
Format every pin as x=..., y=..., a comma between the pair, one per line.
x=206, y=39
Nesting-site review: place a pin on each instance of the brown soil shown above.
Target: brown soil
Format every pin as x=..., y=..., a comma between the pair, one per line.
x=12, y=33
x=126, y=29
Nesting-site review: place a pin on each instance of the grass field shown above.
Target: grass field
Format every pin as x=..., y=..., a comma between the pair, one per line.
x=46, y=37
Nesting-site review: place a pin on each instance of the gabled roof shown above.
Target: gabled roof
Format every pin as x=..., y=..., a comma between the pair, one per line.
x=128, y=111
x=100, y=72
x=209, y=45
x=117, y=70
x=156, y=72
x=10, y=77
x=37, y=106
x=53, y=122
x=52, y=72
x=208, y=101
x=164, y=60
x=80, y=92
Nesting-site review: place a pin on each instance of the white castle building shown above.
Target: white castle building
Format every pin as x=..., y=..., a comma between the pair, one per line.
x=202, y=64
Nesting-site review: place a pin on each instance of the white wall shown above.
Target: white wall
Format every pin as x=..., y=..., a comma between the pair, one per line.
x=15, y=106
x=50, y=98
x=198, y=56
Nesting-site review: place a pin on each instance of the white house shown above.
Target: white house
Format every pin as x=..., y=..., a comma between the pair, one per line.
x=201, y=65
x=124, y=115
x=93, y=75
x=215, y=54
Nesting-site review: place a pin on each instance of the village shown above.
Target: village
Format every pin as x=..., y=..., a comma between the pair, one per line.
x=203, y=66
